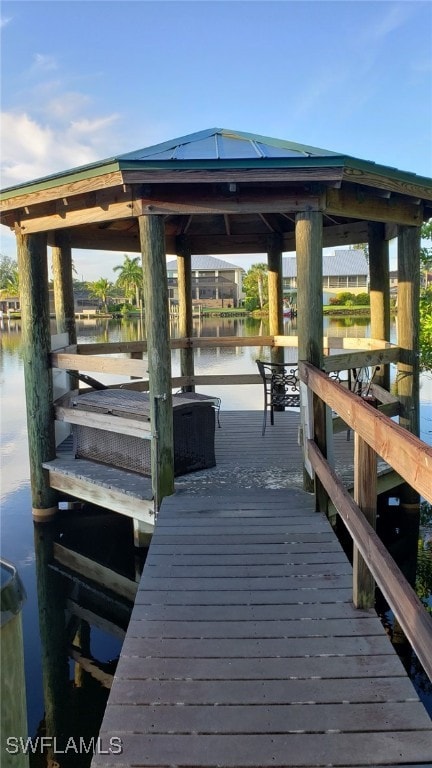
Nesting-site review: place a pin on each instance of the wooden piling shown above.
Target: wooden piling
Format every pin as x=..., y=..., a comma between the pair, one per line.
x=365, y=495
x=308, y=235
x=185, y=318
x=379, y=292
x=408, y=388
x=275, y=293
x=36, y=344
x=63, y=286
x=152, y=237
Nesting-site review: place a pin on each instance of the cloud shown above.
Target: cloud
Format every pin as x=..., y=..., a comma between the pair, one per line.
x=4, y=21
x=31, y=149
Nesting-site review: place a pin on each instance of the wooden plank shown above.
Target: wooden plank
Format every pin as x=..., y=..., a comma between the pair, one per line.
x=284, y=612
x=259, y=751
x=257, y=583
x=178, y=559
x=141, y=667
x=411, y=614
x=94, y=571
x=252, y=571
x=101, y=364
x=269, y=628
x=362, y=359
x=256, y=647
x=92, y=618
x=211, y=692
x=402, y=716
x=408, y=455
x=73, y=481
x=105, y=421
x=246, y=597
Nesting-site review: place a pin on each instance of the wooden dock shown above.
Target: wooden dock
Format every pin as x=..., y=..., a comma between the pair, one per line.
x=244, y=648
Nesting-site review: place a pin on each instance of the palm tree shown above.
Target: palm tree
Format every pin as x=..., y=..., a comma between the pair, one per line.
x=255, y=283
x=100, y=289
x=130, y=278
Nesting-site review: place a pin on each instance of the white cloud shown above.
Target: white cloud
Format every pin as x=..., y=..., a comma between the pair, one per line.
x=31, y=149
x=4, y=21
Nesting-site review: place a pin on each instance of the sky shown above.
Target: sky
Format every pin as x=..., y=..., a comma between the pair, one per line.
x=82, y=80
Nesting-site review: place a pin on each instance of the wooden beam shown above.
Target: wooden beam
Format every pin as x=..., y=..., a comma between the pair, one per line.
x=95, y=620
x=383, y=182
x=95, y=210
x=60, y=191
x=362, y=359
x=410, y=612
x=408, y=455
x=248, y=201
x=218, y=176
x=90, y=569
x=92, y=667
x=363, y=205
x=107, y=498
x=94, y=363
x=106, y=421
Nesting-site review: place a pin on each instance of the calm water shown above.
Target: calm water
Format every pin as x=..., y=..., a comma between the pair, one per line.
x=75, y=702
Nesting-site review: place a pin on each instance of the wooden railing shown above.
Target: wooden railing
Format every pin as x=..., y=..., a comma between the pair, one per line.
x=412, y=459
x=374, y=432
x=98, y=357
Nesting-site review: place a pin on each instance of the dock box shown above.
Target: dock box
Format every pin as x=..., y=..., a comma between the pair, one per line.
x=194, y=431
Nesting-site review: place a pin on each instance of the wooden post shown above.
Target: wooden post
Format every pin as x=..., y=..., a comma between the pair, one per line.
x=408, y=328
x=379, y=292
x=365, y=495
x=185, y=318
x=36, y=344
x=308, y=235
x=275, y=293
x=152, y=237
x=63, y=286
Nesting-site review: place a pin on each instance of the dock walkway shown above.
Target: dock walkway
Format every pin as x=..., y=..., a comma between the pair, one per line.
x=244, y=648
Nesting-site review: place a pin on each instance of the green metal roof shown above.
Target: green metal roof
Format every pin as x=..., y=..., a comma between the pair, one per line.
x=215, y=148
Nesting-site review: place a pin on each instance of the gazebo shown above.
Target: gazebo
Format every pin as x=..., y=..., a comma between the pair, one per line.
x=215, y=192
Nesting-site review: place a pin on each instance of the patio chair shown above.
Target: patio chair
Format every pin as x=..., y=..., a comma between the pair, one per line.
x=281, y=388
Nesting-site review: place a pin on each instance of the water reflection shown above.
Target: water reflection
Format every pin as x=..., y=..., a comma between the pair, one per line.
x=87, y=571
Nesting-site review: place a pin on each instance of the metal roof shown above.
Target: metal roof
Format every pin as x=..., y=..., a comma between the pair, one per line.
x=341, y=262
x=223, y=144
x=219, y=148
x=203, y=263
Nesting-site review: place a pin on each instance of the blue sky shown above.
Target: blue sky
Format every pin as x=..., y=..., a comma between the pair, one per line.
x=82, y=80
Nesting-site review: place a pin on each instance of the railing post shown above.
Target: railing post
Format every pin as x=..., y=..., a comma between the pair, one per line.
x=365, y=495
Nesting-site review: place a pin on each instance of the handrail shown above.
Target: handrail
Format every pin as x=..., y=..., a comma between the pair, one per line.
x=412, y=616
x=413, y=460
x=407, y=454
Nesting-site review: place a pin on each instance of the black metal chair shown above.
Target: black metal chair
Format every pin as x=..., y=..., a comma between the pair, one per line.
x=281, y=388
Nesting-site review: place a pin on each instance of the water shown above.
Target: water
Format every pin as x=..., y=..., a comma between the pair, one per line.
x=78, y=699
